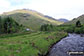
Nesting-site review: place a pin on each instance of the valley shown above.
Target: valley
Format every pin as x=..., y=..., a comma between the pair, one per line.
x=30, y=33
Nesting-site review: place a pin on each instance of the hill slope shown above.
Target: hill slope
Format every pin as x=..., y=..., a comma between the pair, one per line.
x=30, y=18
x=80, y=18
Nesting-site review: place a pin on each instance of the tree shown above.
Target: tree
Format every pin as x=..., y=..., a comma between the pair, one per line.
x=42, y=28
x=78, y=24
x=10, y=25
x=46, y=27
x=0, y=22
x=0, y=25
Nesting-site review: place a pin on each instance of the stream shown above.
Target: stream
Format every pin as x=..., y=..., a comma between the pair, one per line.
x=71, y=43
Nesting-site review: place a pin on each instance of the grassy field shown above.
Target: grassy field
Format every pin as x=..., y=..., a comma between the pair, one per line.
x=28, y=44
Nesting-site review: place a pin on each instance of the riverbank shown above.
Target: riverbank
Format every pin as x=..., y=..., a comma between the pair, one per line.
x=50, y=48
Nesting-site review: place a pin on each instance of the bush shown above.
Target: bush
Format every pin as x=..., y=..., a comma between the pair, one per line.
x=82, y=29
x=69, y=29
x=77, y=30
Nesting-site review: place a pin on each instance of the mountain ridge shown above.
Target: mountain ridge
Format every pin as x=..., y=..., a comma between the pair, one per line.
x=63, y=20
x=80, y=18
x=29, y=18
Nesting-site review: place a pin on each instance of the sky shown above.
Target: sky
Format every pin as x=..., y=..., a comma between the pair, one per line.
x=68, y=9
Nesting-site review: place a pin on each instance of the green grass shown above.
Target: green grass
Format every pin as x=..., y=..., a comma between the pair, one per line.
x=28, y=44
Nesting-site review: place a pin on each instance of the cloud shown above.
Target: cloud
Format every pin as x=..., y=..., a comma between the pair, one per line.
x=59, y=8
x=19, y=2
x=56, y=8
x=4, y=4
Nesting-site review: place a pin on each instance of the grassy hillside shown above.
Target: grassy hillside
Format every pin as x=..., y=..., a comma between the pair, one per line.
x=30, y=19
x=80, y=18
x=28, y=44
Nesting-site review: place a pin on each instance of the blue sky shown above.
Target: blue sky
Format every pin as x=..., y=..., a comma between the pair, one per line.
x=19, y=2
x=68, y=9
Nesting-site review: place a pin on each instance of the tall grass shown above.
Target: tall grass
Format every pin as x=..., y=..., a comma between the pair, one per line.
x=28, y=44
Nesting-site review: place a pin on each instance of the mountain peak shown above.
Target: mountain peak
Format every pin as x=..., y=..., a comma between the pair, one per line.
x=63, y=20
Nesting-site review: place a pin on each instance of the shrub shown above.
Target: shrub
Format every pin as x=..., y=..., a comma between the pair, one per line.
x=77, y=30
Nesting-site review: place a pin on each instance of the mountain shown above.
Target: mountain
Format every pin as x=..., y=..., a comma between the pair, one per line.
x=49, y=17
x=63, y=20
x=30, y=18
x=80, y=18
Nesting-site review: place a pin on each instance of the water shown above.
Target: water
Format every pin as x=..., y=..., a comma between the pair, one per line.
x=73, y=42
